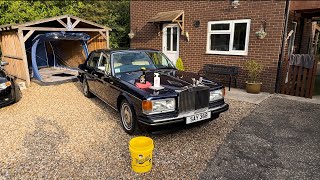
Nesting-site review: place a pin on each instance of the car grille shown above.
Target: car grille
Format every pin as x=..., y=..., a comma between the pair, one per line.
x=193, y=99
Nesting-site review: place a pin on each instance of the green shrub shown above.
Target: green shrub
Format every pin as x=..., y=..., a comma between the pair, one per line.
x=179, y=64
x=254, y=70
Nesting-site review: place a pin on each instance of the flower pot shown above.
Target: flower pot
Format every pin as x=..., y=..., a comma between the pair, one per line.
x=253, y=87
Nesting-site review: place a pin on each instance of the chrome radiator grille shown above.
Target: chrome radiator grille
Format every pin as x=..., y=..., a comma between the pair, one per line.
x=193, y=99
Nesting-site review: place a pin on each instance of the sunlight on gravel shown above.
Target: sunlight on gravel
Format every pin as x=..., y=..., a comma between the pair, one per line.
x=56, y=132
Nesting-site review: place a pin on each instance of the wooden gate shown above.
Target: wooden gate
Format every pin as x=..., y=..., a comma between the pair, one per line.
x=297, y=80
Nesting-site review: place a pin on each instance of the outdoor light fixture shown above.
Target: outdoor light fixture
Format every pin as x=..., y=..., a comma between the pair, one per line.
x=131, y=34
x=235, y=3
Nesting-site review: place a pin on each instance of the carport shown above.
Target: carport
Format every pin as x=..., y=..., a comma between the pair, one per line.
x=67, y=45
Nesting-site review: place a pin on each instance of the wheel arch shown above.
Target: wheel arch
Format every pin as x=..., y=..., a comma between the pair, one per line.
x=125, y=96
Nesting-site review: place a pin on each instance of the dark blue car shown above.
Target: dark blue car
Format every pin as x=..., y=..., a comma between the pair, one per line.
x=9, y=90
x=124, y=79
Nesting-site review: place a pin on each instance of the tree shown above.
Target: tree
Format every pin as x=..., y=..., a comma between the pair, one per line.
x=23, y=11
x=114, y=14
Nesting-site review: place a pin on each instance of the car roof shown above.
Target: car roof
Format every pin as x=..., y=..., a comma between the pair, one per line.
x=123, y=50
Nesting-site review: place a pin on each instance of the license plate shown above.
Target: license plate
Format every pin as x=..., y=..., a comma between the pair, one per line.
x=198, y=117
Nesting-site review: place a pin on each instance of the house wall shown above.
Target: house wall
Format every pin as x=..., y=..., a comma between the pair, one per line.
x=193, y=53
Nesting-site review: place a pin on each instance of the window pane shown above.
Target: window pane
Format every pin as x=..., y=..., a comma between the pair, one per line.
x=239, y=40
x=219, y=42
x=220, y=26
x=168, y=39
x=175, y=36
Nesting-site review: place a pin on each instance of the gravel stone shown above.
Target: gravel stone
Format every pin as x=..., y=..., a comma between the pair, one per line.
x=55, y=132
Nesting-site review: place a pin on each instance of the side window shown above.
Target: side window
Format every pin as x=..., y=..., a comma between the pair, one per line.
x=104, y=63
x=94, y=59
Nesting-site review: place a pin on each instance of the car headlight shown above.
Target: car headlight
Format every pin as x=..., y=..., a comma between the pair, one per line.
x=5, y=85
x=158, y=106
x=217, y=94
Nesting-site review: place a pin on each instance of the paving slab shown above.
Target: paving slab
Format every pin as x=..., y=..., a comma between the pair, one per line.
x=242, y=95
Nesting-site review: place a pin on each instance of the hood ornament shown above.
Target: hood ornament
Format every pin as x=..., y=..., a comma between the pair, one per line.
x=197, y=82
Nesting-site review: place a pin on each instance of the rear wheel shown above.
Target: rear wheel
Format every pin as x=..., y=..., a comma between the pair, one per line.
x=128, y=118
x=85, y=88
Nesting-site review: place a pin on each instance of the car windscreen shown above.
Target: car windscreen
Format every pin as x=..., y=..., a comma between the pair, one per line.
x=131, y=61
x=160, y=60
x=135, y=61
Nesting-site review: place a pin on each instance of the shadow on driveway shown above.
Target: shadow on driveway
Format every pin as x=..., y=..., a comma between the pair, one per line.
x=279, y=140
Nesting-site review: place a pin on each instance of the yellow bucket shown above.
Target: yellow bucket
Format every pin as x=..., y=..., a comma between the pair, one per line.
x=141, y=148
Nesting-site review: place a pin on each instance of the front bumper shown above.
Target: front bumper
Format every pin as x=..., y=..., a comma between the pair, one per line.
x=154, y=123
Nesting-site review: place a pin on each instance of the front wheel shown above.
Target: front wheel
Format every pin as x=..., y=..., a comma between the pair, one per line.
x=128, y=119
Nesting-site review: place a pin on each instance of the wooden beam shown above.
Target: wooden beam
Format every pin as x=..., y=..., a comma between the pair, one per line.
x=318, y=27
x=75, y=23
x=60, y=29
x=108, y=39
x=24, y=57
x=25, y=38
x=91, y=23
x=12, y=57
x=69, y=24
x=102, y=34
x=94, y=37
x=62, y=23
x=39, y=21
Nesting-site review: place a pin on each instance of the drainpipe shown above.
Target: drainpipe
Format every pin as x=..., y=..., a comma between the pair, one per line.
x=283, y=46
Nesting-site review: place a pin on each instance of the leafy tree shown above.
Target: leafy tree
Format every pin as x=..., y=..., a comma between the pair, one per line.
x=23, y=11
x=114, y=14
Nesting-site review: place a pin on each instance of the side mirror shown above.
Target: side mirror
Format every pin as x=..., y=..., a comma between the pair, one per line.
x=4, y=63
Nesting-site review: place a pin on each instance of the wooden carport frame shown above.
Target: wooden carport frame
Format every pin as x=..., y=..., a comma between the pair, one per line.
x=14, y=36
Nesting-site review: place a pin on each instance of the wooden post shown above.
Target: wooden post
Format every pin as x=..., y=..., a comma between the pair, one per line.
x=108, y=39
x=24, y=57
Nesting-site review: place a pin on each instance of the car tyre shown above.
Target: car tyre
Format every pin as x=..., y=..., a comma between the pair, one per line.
x=128, y=118
x=86, y=89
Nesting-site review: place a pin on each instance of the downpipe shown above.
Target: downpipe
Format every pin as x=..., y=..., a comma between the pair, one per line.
x=283, y=45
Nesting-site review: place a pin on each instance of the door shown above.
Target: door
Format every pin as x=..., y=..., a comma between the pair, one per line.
x=91, y=69
x=170, y=41
x=103, y=75
x=105, y=81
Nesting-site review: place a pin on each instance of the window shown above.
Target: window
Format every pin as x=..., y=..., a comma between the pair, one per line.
x=172, y=38
x=94, y=59
x=228, y=37
x=104, y=63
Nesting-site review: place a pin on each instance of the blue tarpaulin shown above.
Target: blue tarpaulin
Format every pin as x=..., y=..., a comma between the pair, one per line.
x=39, y=55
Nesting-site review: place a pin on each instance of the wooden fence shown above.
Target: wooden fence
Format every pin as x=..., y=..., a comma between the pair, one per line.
x=297, y=80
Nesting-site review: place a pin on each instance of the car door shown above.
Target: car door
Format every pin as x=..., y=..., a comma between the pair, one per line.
x=91, y=69
x=108, y=91
x=102, y=72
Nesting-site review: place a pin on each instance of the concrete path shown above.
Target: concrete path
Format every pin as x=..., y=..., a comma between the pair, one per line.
x=242, y=95
x=279, y=140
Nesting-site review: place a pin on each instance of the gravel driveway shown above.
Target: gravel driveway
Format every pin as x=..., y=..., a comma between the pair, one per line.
x=55, y=132
x=280, y=139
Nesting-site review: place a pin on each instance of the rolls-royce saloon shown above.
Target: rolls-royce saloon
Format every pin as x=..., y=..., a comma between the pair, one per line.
x=148, y=90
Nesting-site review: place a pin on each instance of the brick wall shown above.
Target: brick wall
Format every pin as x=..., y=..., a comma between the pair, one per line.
x=265, y=51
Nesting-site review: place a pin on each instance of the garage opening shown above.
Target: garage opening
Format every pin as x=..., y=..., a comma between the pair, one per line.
x=56, y=55
x=50, y=50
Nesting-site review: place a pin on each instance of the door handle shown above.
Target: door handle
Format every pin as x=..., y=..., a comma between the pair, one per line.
x=86, y=70
x=96, y=75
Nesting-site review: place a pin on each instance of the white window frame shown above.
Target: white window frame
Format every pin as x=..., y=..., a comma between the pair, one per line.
x=231, y=32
